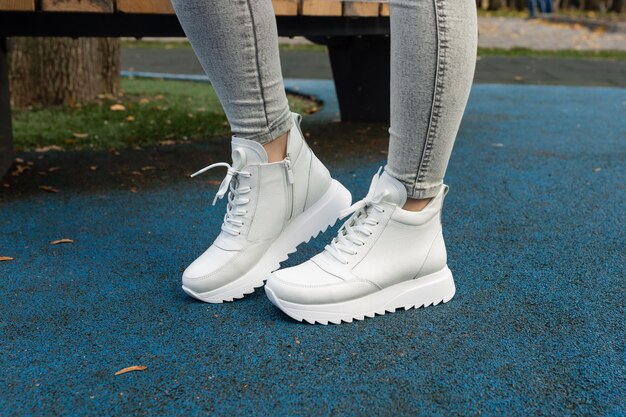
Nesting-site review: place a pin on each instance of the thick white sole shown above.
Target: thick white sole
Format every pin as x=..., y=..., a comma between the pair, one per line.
x=421, y=292
x=316, y=219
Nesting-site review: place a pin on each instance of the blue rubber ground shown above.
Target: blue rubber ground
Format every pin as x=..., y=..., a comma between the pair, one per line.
x=534, y=225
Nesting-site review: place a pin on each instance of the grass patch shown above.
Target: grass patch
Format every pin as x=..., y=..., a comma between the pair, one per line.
x=139, y=43
x=302, y=47
x=185, y=44
x=154, y=112
x=525, y=52
x=503, y=12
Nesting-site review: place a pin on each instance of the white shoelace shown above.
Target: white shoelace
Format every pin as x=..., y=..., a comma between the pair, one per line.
x=351, y=234
x=231, y=225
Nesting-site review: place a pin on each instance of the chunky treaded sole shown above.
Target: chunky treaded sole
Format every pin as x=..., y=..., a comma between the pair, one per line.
x=315, y=220
x=421, y=292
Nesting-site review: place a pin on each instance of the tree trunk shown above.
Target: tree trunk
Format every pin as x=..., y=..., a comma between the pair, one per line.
x=55, y=71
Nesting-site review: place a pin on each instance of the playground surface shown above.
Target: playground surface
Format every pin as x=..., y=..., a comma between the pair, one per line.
x=534, y=228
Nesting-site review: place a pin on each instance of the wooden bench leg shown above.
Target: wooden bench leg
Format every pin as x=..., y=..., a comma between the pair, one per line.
x=6, y=130
x=361, y=71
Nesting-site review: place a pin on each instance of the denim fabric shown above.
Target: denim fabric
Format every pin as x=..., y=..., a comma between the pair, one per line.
x=433, y=55
x=236, y=42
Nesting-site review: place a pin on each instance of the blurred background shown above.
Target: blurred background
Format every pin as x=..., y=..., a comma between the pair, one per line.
x=111, y=93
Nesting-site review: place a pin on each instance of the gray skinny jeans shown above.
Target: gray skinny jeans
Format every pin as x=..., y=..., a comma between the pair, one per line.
x=433, y=55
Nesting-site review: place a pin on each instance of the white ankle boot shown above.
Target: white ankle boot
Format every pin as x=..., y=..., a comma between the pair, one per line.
x=272, y=208
x=383, y=258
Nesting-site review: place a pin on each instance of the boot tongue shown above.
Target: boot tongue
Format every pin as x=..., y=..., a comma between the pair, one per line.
x=393, y=191
x=247, y=152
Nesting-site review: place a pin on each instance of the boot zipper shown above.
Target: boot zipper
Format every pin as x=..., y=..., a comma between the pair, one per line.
x=289, y=171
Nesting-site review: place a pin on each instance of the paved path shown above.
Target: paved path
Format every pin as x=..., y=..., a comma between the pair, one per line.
x=491, y=69
x=494, y=32
x=501, y=32
x=533, y=226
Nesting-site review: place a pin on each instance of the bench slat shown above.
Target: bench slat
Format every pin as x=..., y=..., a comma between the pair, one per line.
x=95, y=6
x=360, y=8
x=285, y=7
x=145, y=6
x=281, y=7
x=384, y=9
x=27, y=5
x=321, y=8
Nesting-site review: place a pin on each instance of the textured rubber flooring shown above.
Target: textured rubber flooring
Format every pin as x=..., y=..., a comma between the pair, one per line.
x=534, y=225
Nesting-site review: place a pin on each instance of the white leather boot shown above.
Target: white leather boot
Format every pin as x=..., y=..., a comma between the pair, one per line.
x=272, y=208
x=383, y=258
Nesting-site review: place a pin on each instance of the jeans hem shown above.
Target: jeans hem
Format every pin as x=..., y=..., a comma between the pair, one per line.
x=279, y=128
x=411, y=186
x=422, y=193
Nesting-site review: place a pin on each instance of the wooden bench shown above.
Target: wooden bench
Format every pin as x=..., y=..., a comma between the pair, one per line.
x=356, y=34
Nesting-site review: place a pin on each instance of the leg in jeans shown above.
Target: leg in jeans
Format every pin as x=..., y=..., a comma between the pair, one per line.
x=279, y=193
x=236, y=42
x=433, y=55
x=391, y=254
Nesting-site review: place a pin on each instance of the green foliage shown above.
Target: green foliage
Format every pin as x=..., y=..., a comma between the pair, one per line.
x=567, y=53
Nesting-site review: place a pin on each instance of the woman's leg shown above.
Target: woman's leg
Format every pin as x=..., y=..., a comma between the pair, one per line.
x=433, y=55
x=391, y=253
x=279, y=193
x=236, y=42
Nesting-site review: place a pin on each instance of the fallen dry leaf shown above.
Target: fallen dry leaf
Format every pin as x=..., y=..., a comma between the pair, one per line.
x=19, y=169
x=48, y=188
x=148, y=168
x=518, y=78
x=5, y=258
x=52, y=169
x=80, y=135
x=130, y=118
x=93, y=167
x=167, y=142
x=144, y=101
x=65, y=240
x=131, y=369
x=19, y=160
x=214, y=182
x=117, y=107
x=48, y=148
x=133, y=189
